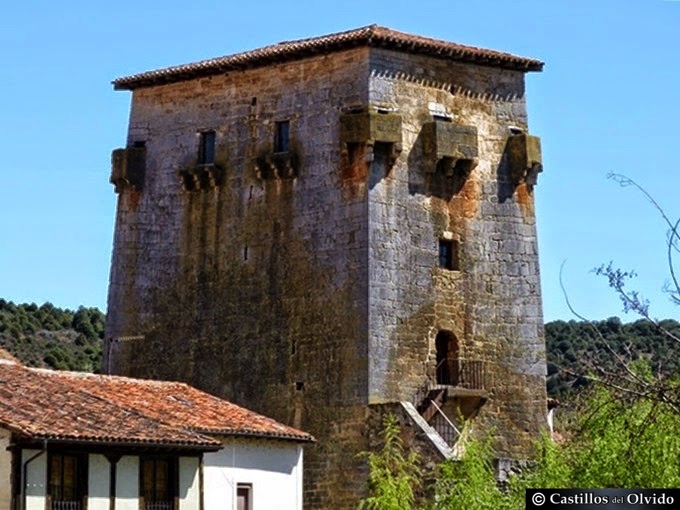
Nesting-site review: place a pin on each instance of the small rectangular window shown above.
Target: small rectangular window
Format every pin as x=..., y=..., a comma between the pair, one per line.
x=244, y=496
x=158, y=485
x=67, y=480
x=448, y=254
x=206, y=148
x=282, y=136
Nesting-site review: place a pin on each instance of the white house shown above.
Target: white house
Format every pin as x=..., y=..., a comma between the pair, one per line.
x=75, y=441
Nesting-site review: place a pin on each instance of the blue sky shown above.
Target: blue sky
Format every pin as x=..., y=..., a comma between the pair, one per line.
x=607, y=101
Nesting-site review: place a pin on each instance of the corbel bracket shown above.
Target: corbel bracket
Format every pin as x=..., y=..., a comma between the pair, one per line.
x=278, y=165
x=201, y=177
x=524, y=158
x=127, y=168
x=370, y=126
x=450, y=149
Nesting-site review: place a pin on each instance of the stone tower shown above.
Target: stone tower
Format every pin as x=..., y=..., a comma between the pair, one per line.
x=328, y=229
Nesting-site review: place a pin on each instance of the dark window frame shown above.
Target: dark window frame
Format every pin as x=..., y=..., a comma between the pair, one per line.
x=66, y=484
x=206, y=147
x=282, y=136
x=247, y=490
x=167, y=501
x=449, y=254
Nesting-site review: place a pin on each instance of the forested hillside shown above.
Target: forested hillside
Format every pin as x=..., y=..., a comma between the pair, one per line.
x=47, y=336
x=575, y=346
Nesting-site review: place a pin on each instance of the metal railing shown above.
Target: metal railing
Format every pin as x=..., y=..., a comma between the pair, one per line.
x=159, y=505
x=66, y=505
x=463, y=373
x=444, y=426
x=460, y=373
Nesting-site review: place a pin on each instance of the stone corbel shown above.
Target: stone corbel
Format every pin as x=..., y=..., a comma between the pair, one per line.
x=189, y=179
x=524, y=158
x=368, y=127
x=201, y=177
x=127, y=168
x=278, y=165
x=450, y=149
x=393, y=151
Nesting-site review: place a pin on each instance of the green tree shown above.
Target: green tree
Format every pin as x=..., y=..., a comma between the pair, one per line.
x=394, y=476
x=470, y=482
x=615, y=443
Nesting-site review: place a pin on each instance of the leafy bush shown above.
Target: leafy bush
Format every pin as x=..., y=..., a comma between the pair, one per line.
x=615, y=443
x=394, y=476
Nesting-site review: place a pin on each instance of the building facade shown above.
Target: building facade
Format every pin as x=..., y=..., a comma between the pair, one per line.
x=328, y=229
x=74, y=441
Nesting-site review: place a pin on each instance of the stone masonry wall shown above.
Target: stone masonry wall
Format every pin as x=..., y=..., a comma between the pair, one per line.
x=311, y=299
x=493, y=304
x=255, y=290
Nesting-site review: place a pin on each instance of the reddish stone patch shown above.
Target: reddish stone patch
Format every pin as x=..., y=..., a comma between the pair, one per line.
x=133, y=199
x=525, y=200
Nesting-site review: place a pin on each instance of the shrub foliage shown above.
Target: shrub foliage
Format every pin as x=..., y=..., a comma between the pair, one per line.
x=52, y=337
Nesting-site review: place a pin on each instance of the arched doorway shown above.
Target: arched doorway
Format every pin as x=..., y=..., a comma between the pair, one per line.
x=448, y=366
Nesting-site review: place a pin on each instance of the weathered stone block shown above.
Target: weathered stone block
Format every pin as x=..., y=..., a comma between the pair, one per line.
x=443, y=139
x=524, y=157
x=127, y=168
x=370, y=126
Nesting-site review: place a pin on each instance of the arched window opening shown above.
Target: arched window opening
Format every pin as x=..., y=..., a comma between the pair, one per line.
x=448, y=364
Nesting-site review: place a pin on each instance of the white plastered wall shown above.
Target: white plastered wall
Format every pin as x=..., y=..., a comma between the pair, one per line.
x=272, y=468
x=98, y=481
x=189, y=487
x=36, y=475
x=127, y=483
x=5, y=469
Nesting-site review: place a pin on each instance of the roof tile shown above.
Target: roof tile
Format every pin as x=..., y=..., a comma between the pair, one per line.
x=371, y=36
x=75, y=406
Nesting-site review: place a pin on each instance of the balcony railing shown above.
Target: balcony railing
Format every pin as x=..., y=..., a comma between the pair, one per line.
x=463, y=373
x=159, y=505
x=66, y=505
x=454, y=378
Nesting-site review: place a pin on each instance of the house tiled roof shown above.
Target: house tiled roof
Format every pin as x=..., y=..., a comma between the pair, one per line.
x=371, y=36
x=77, y=407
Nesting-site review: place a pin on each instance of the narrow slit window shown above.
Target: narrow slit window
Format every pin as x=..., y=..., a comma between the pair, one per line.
x=206, y=148
x=448, y=255
x=282, y=136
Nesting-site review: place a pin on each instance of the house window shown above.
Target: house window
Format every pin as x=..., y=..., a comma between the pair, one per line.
x=67, y=476
x=158, y=483
x=448, y=254
x=282, y=136
x=206, y=148
x=244, y=496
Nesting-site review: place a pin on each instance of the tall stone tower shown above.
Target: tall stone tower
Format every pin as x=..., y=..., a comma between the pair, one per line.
x=328, y=229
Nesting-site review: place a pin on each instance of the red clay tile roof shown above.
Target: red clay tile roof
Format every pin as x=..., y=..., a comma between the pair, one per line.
x=373, y=36
x=79, y=407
